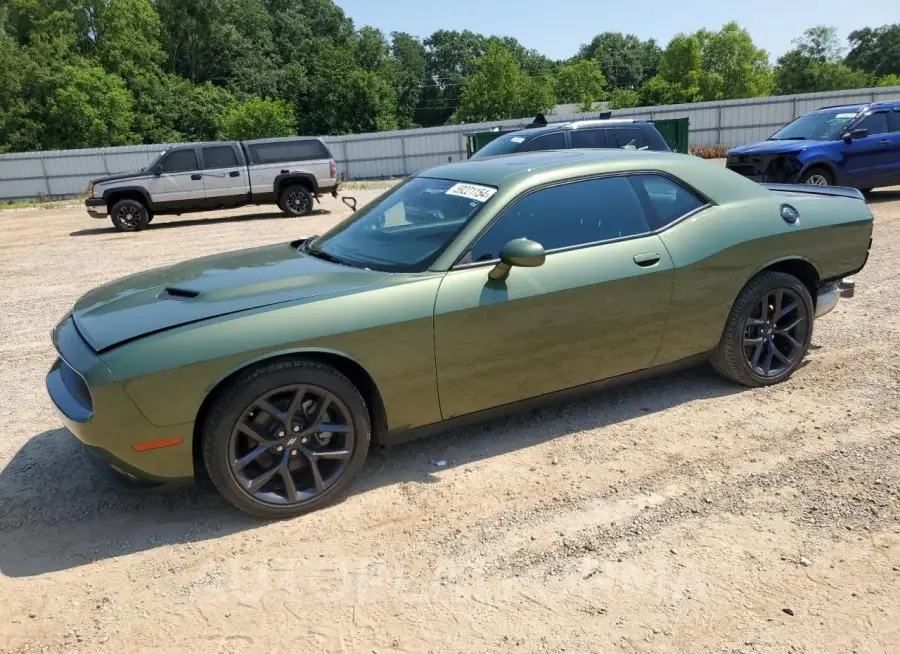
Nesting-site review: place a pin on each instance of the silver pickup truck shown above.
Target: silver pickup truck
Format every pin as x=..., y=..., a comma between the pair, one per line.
x=292, y=173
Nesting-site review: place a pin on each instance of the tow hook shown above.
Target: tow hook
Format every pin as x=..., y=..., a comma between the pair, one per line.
x=848, y=287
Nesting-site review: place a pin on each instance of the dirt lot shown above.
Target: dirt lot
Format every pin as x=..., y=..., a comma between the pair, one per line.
x=682, y=514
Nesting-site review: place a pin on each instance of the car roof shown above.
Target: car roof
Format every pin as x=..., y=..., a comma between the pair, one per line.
x=577, y=124
x=843, y=108
x=504, y=170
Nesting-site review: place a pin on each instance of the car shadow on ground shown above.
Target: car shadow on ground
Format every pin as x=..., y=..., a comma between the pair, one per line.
x=56, y=513
x=886, y=195
x=176, y=222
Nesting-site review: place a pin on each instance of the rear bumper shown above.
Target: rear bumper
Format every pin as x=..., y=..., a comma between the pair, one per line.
x=830, y=294
x=96, y=207
x=329, y=187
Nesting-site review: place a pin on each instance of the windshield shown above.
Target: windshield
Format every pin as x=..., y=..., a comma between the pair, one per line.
x=815, y=127
x=406, y=229
x=506, y=144
x=155, y=161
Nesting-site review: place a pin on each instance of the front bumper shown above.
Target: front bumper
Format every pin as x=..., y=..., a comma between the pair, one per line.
x=775, y=168
x=95, y=407
x=96, y=207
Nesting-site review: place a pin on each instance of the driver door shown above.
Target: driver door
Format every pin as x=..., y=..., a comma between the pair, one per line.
x=596, y=309
x=179, y=182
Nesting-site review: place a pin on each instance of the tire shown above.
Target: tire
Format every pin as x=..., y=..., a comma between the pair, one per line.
x=130, y=216
x=817, y=176
x=738, y=348
x=225, y=445
x=296, y=201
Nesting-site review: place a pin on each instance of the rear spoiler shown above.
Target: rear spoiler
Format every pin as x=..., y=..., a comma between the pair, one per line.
x=813, y=189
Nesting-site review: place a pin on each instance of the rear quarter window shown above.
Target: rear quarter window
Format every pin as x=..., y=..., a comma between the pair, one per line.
x=283, y=151
x=631, y=138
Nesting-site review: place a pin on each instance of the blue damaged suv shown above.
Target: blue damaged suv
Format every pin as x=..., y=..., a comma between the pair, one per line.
x=852, y=145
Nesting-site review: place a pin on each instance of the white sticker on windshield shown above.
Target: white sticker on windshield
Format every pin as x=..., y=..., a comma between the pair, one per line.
x=472, y=191
x=517, y=139
x=846, y=115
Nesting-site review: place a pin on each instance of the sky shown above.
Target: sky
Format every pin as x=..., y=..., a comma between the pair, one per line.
x=558, y=29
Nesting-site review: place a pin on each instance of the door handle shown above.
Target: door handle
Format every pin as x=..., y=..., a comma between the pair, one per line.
x=885, y=142
x=647, y=259
x=234, y=173
x=196, y=177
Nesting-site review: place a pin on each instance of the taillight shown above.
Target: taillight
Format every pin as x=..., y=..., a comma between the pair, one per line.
x=332, y=169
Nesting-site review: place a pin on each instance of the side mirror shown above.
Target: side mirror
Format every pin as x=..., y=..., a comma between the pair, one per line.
x=858, y=133
x=157, y=172
x=520, y=252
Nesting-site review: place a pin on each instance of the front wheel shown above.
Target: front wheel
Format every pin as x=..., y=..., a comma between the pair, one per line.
x=817, y=177
x=768, y=331
x=130, y=216
x=286, y=439
x=296, y=201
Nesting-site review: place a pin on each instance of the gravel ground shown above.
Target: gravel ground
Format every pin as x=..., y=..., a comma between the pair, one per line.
x=682, y=514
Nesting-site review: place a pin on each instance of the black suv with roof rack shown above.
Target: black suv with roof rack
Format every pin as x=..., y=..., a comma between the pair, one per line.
x=592, y=134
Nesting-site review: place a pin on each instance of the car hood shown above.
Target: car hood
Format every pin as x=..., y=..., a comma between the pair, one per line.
x=773, y=147
x=204, y=288
x=118, y=177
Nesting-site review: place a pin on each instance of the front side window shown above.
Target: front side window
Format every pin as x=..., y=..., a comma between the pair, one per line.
x=876, y=123
x=554, y=141
x=668, y=200
x=567, y=215
x=894, y=120
x=180, y=161
x=406, y=229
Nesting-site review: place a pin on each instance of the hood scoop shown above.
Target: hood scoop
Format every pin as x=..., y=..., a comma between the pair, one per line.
x=176, y=293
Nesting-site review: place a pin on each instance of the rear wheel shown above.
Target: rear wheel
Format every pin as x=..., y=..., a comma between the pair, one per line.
x=296, y=201
x=286, y=439
x=768, y=331
x=130, y=216
x=817, y=177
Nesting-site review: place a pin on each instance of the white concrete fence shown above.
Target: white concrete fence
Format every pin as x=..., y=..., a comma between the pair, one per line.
x=66, y=173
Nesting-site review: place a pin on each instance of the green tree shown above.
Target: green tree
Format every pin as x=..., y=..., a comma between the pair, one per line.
x=258, y=119
x=733, y=66
x=875, y=51
x=411, y=68
x=91, y=109
x=681, y=73
x=498, y=89
x=581, y=81
x=625, y=60
x=815, y=64
x=624, y=99
x=889, y=80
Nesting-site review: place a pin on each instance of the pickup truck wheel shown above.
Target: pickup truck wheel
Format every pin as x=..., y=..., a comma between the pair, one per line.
x=817, y=177
x=768, y=331
x=296, y=201
x=130, y=216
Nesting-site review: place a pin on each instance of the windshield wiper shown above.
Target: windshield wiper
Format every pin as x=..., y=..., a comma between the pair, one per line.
x=321, y=254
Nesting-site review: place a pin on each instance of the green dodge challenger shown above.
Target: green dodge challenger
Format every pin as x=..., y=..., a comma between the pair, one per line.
x=467, y=290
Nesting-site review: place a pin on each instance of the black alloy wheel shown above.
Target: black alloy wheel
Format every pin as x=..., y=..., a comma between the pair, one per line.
x=291, y=444
x=296, y=201
x=768, y=331
x=285, y=438
x=775, y=333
